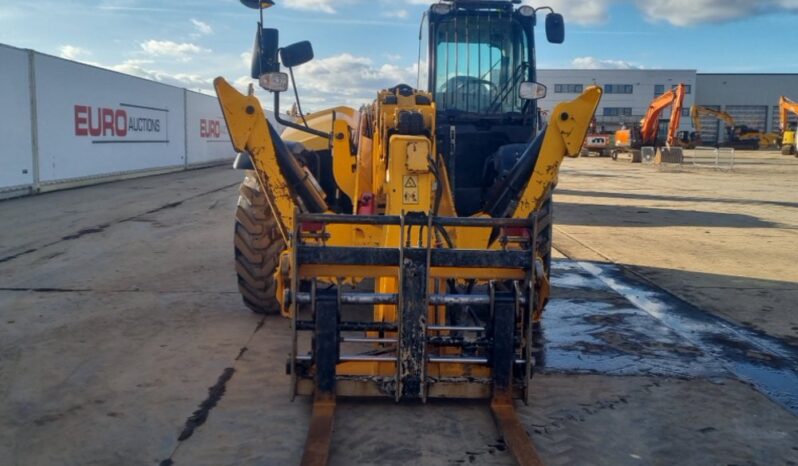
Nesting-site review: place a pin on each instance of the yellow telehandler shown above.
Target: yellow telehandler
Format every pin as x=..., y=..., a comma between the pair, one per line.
x=408, y=242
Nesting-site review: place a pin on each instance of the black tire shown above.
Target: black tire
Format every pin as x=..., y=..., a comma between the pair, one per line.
x=258, y=244
x=786, y=149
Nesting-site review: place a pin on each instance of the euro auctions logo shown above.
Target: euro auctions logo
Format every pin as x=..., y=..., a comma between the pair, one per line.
x=127, y=123
x=213, y=130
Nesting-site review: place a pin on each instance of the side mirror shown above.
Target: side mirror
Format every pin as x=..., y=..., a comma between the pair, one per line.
x=296, y=54
x=555, y=28
x=264, y=53
x=531, y=90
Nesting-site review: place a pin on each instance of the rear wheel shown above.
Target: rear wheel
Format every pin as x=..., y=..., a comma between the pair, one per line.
x=258, y=244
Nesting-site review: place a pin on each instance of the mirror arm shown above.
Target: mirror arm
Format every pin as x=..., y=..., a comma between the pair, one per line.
x=291, y=124
x=296, y=96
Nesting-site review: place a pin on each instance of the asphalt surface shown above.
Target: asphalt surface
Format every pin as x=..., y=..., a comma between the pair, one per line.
x=119, y=310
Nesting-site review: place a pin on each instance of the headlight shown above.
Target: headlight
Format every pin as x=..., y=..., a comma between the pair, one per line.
x=526, y=10
x=275, y=82
x=531, y=90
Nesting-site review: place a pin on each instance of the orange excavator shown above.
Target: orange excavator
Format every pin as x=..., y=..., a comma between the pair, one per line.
x=629, y=141
x=788, y=132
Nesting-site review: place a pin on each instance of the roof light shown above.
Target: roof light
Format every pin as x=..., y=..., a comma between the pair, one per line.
x=526, y=10
x=441, y=8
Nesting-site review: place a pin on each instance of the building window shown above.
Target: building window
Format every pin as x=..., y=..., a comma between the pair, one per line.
x=568, y=88
x=617, y=111
x=685, y=112
x=618, y=88
x=687, y=88
x=659, y=89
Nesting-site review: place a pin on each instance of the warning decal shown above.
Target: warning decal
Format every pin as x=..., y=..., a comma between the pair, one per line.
x=410, y=189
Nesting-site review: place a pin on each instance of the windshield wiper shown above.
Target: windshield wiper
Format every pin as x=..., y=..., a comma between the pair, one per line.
x=507, y=88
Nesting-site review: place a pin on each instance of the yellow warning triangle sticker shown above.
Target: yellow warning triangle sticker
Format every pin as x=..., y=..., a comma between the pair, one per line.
x=410, y=182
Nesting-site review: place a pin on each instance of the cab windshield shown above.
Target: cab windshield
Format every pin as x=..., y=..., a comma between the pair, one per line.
x=480, y=62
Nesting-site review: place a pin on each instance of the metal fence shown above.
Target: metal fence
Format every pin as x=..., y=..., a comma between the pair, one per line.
x=710, y=157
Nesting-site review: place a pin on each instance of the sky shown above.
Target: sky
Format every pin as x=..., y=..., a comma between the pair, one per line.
x=362, y=46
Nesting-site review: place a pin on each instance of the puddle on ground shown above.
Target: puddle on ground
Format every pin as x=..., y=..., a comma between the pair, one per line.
x=600, y=320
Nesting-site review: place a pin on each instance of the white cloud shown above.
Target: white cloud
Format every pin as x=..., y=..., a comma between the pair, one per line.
x=675, y=12
x=348, y=79
x=138, y=68
x=592, y=63
x=400, y=14
x=577, y=11
x=311, y=5
x=70, y=52
x=690, y=12
x=166, y=48
x=202, y=28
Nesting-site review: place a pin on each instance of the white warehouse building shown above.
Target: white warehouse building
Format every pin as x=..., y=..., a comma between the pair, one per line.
x=752, y=99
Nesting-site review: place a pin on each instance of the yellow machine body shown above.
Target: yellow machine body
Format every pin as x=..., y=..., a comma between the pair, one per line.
x=401, y=180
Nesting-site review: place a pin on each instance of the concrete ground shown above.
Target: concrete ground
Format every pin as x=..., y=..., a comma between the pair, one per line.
x=118, y=310
x=725, y=241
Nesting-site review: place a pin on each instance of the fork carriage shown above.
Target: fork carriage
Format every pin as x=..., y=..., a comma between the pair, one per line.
x=424, y=338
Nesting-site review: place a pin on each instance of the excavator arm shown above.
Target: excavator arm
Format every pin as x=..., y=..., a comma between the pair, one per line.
x=676, y=114
x=786, y=106
x=697, y=111
x=788, y=139
x=649, y=123
x=695, y=116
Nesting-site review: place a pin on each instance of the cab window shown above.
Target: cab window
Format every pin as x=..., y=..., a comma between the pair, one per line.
x=480, y=61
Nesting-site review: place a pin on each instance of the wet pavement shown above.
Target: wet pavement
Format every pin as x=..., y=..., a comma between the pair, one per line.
x=602, y=320
x=119, y=310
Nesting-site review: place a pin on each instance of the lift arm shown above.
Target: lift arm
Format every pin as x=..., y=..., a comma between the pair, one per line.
x=287, y=185
x=564, y=136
